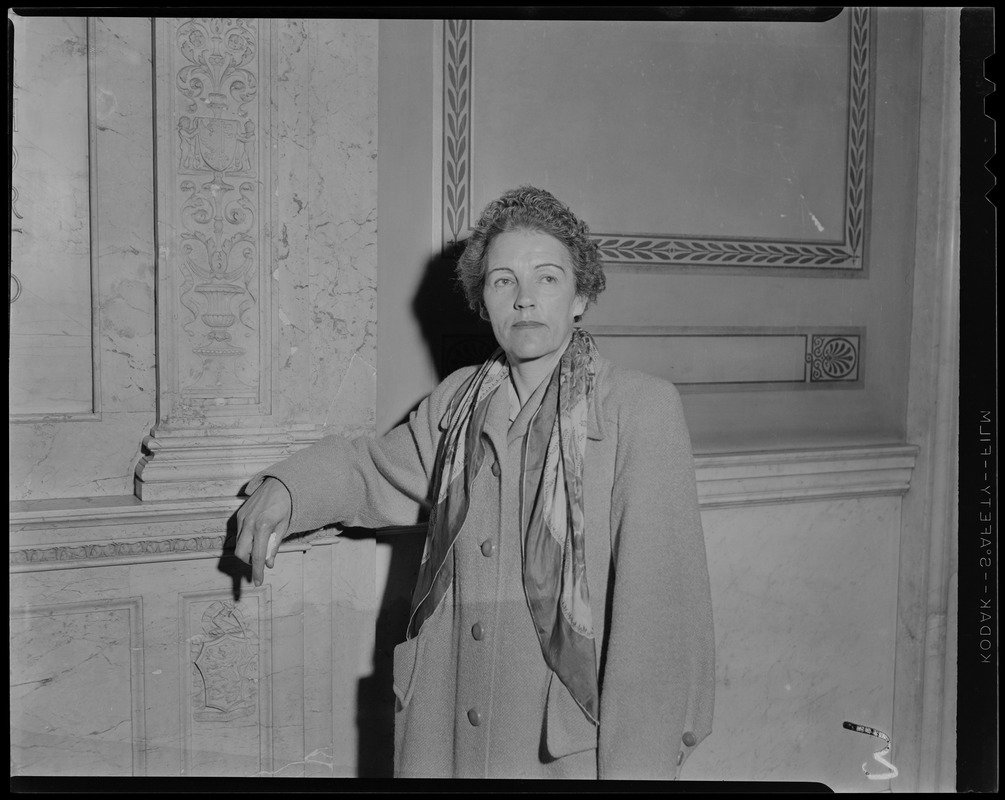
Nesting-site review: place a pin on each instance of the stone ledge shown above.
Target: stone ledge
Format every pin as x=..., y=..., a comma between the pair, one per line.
x=724, y=480
x=737, y=479
x=179, y=465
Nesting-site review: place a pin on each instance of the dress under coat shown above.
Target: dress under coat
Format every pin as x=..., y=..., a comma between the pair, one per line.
x=474, y=696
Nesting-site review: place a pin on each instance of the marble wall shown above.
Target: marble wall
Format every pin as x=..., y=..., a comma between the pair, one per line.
x=805, y=640
x=152, y=655
x=283, y=679
x=51, y=369
x=93, y=454
x=138, y=645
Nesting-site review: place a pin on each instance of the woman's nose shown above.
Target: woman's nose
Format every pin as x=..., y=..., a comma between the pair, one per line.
x=525, y=298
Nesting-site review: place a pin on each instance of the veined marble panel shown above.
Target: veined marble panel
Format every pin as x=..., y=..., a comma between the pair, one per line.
x=337, y=110
x=58, y=729
x=51, y=336
x=55, y=458
x=69, y=456
x=805, y=609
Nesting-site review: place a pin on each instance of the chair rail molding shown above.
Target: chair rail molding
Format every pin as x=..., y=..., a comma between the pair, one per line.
x=68, y=534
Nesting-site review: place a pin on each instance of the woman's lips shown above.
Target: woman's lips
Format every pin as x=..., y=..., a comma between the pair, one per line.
x=528, y=324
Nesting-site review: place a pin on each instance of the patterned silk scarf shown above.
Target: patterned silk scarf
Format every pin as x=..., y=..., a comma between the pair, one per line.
x=551, y=509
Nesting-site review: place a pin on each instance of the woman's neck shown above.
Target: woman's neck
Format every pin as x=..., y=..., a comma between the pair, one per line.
x=527, y=376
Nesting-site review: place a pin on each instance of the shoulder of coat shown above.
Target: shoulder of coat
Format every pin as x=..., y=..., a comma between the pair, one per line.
x=447, y=388
x=624, y=389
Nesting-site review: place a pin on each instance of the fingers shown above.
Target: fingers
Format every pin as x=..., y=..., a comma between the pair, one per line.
x=245, y=536
x=272, y=549
x=262, y=523
x=259, y=551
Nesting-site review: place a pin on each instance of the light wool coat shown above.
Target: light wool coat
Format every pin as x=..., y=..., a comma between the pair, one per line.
x=475, y=697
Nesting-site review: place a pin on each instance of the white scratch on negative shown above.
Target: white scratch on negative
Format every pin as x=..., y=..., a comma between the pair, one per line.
x=813, y=216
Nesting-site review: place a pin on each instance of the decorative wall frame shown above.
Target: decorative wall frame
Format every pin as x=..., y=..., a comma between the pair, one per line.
x=847, y=254
x=787, y=358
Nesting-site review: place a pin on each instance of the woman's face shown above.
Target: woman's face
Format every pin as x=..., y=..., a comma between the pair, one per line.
x=530, y=295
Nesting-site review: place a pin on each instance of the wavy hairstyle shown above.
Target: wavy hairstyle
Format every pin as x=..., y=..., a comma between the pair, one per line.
x=537, y=211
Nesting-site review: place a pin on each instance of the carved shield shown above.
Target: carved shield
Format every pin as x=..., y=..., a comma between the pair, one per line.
x=228, y=667
x=218, y=142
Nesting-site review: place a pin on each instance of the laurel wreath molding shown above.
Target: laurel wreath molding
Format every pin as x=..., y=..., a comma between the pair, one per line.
x=673, y=249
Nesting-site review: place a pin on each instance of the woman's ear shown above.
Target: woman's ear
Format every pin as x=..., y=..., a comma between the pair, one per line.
x=579, y=307
x=483, y=312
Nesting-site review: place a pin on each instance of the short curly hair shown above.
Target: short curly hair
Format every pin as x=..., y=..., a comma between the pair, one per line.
x=536, y=210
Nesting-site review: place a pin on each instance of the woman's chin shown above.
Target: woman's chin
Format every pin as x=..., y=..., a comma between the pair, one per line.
x=526, y=355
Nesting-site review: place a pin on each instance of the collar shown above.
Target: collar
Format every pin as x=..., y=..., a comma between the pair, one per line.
x=595, y=424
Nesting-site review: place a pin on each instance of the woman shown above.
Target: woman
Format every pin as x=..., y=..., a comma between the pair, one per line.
x=561, y=623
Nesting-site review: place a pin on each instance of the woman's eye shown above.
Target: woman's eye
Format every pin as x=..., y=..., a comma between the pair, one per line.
x=501, y=282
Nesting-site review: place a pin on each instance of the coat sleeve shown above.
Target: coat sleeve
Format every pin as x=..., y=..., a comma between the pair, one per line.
x=366, y=482
x=658, y=677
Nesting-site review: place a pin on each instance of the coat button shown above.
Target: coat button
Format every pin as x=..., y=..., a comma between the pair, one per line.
x=689, y=739
x=474, y=717
x=496, y=469
x=487, y=547
x=477, y=632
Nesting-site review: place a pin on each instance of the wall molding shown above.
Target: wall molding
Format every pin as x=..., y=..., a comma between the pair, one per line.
x=724, y=480
x=743, y=479
x=823, y=357
x=801, y=357
x=846, y=255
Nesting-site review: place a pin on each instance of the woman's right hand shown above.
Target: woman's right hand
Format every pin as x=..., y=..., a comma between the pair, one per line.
x=262, y=524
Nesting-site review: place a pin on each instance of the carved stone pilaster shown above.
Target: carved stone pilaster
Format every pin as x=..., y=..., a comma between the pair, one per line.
x=214, y=220
x=266, y=265
x=215, y=341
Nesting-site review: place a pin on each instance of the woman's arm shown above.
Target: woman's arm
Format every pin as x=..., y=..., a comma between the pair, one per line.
x=659, y=675
x=366, y=482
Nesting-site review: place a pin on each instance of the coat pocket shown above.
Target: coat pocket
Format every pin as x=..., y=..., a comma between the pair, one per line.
x=406, y=658
x=567, y=729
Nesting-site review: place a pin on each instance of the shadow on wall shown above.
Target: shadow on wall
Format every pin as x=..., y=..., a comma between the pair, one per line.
x=455, y=337
x=375, y=700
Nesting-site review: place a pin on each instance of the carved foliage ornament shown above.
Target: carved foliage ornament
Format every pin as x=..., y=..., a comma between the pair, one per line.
x=216, y=142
